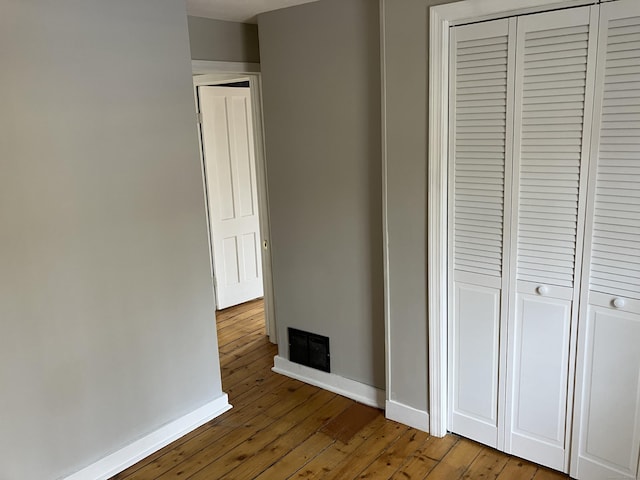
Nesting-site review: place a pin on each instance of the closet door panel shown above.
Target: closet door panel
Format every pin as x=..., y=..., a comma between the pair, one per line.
x=551, y=142
x=607, y=422
x=481, y=99
x=615, y=256
x=553, y=90
x=540, y=394
x=477, y=326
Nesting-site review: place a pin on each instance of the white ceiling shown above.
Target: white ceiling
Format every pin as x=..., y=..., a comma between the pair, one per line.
x=237, y=10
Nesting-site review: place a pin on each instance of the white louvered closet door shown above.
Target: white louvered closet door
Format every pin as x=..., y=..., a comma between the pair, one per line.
x=607, y=421
x=481, y=109
x=553, y=110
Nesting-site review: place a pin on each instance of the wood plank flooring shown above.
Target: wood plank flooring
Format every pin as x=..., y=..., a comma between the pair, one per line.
x=274, y=430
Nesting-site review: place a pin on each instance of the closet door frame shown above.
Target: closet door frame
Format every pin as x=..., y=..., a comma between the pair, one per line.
x=441, y=18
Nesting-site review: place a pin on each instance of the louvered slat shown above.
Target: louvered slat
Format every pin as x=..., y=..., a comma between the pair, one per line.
x=479, y=161
x=551, y=87
x=615, y=265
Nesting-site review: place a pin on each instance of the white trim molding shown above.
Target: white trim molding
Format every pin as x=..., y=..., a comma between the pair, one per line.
x=399, y=412
x=360, y=392
x=437, y=221
x=468, y=11
x=142, y=448
x=441, y=18
x=385, y=210
x=201, y=67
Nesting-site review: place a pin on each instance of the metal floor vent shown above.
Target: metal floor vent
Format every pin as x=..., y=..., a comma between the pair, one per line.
x=309, y=349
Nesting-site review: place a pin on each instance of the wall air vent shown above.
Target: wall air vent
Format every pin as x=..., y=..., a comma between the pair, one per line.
x=309, y=349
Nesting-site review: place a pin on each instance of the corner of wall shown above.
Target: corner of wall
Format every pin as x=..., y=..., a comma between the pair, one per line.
x=118, y=461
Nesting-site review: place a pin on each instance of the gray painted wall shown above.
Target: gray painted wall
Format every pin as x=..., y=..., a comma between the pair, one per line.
x=321, y=89
x=222, y=41
x=407, y=66
x=106, y=305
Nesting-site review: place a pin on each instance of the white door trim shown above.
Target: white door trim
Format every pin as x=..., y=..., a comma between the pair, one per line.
x=441, y=18
x=255, y=84
x=385, y=231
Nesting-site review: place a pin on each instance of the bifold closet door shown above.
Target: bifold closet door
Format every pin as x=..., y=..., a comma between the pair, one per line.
x=607, y=421
x=481, y=96
x=553, y=110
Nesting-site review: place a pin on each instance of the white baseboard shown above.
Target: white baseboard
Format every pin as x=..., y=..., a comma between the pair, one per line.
x=372, y=396
x=398, y=412
x=136, y=451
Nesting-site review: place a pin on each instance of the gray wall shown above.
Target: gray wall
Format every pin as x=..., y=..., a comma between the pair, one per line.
x=106, y=308
x=321, y=85
x=407, y=66
x=221, y=41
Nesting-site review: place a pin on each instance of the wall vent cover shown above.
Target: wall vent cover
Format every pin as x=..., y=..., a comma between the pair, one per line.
x=309, y=349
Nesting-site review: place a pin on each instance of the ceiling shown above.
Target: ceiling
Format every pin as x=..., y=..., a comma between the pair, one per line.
x=244, y=11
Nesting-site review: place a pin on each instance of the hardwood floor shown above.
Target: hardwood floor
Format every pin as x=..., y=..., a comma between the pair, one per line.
x=280, y=429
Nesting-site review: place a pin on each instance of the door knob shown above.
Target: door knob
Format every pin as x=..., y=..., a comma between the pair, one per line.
x=542, y=290
x=618, y=302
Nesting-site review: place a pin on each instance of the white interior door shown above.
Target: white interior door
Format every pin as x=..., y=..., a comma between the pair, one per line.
x=607, y=421
x=480, y=166
x=227, y=138
x=554, y=83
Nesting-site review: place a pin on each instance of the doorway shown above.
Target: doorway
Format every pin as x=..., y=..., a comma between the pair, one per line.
x=234, y=175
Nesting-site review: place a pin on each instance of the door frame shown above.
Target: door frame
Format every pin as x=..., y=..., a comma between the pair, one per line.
x=441, y=18
x=207, y=73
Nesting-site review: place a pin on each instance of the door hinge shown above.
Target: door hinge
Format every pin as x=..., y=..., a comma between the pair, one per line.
x=199, y=117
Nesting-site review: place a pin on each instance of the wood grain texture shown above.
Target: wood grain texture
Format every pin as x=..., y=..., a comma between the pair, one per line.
x=276, y=430
x=349, y=422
